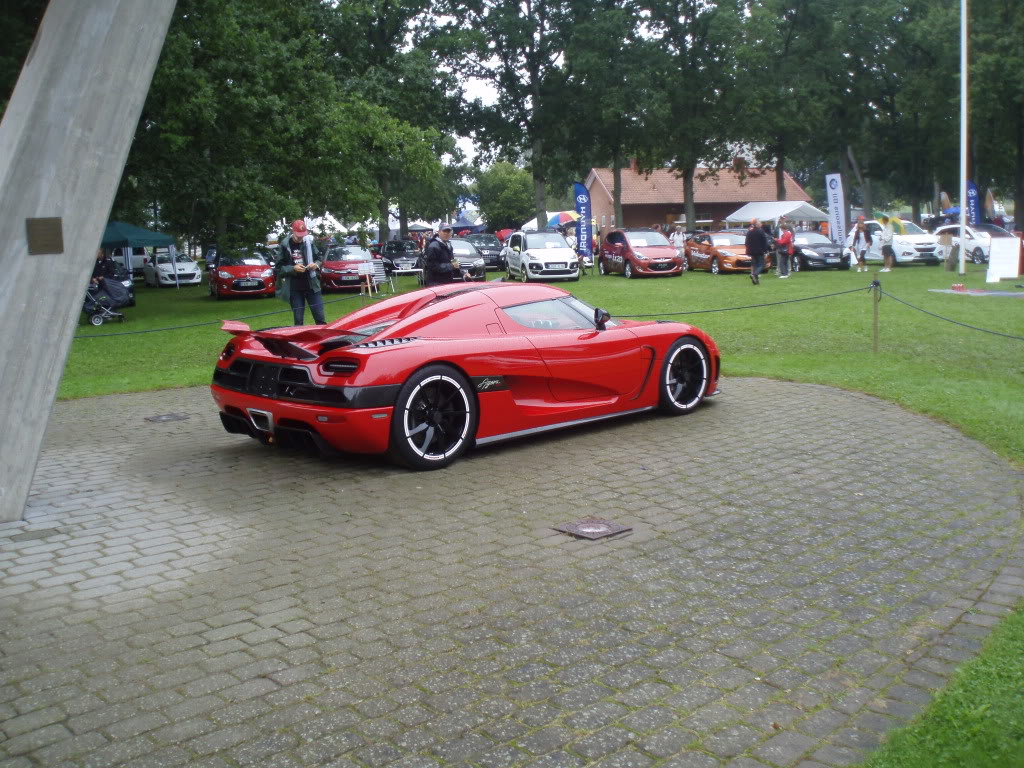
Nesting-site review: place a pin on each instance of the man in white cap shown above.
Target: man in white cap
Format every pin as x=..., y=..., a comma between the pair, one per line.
x=298, y=263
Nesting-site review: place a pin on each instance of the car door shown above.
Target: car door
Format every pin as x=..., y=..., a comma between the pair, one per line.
x=583, y=363
x=515, y=257
x=875, y=251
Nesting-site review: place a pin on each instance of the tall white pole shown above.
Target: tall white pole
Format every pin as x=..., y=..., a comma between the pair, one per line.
x=963, y=135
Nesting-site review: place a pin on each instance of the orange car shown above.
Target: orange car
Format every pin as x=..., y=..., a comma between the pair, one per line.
x=720, y=252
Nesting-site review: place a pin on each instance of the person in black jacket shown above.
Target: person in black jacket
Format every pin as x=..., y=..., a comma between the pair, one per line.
x=438, y=256
x=757, y=247
x=104, y=267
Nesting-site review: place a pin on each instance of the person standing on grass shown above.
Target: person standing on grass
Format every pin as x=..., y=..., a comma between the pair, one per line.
x=888, y=254
x=757, y=246
x=297, y=265
x=783, y=248
x=859, y=243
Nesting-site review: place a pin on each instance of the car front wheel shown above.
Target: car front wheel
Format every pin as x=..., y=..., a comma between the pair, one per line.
x=978, y=256
x=628, y=270
x=601, y=267
x=524, y=273
x=434, y=420
x=686, y=263
x=716, y=266
x=684, y=376
x=794, y=265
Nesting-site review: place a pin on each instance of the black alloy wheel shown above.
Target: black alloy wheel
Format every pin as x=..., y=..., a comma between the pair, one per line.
x=434, y=420
x=684, y=376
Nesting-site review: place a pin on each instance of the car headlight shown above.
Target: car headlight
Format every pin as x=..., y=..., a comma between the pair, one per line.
x=639, y=257
x=224, y=275
x=478, y=262
x=267, y=273
x=126, y=283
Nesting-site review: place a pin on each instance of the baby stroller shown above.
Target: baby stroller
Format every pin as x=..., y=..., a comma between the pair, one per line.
x=101, y=300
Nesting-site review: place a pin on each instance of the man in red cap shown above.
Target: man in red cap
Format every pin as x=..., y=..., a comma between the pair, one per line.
x=298, y=263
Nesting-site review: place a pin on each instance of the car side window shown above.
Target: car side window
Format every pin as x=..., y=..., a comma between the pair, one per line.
x=551, y=314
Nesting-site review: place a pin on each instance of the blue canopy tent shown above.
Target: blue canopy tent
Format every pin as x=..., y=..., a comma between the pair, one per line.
x=463, y=224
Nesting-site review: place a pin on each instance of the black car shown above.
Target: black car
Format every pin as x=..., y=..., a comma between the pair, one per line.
x=399, y=254
x=489, y=247
x=812, y=250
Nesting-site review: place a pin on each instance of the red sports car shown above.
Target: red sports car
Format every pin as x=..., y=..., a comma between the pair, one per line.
x=425, y=375
x=242, y=273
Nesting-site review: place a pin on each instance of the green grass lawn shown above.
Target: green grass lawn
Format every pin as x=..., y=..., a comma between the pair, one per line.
x=972, y=380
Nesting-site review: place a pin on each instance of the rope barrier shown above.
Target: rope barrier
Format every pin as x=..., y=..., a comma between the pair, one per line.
x=748, y=306
x=954, y=322
x=213, y=322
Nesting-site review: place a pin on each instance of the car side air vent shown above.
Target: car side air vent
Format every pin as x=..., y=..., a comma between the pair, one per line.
x=339, y=367
x=386, y=342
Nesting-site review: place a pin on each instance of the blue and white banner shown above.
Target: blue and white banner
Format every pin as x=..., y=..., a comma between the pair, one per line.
x=836, y=208
x=584, y=226
x=973, y=204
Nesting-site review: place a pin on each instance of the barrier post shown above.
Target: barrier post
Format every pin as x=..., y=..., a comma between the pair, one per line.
x=876, y=297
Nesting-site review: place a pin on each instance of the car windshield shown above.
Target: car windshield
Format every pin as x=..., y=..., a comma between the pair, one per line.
x=463, y=248
x=340, y=253
x=545, y=240
x=485, y=240
x=992, y=230
x=727, y=238
x=913, y=229
x=242, y=260
x=641, y=239
x=399, y=246
x=165, y=258
x=811, y=238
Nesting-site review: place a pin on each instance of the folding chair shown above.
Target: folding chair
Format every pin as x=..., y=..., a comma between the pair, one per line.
x=380, y=276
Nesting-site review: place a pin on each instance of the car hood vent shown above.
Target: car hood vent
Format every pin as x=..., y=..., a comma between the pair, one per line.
x=385, y=342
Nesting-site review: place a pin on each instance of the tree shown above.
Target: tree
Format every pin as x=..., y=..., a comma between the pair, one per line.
x=505, y=196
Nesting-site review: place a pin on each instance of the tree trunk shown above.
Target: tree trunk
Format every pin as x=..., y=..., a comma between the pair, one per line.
x=915, y=206
x=688, y=205
x=869, y=200
x=403, y=223
x=1018, y=192
x=780, y=174
x=222, y=226
x=617, y=190
x=936, y=196
x=844, y=174
x=539, y=197
x=383, y=222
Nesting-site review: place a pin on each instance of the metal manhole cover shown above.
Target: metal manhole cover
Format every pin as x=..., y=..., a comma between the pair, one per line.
x=168, y=417
x=592, y=528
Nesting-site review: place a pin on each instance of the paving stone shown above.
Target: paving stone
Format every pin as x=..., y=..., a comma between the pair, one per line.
x=372, y=619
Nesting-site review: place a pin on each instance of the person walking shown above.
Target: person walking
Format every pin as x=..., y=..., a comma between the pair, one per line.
x=438, y=259
x=859, y=243
x=297, y=265
x=783, y=248
x=756, y=245
x=888, y=254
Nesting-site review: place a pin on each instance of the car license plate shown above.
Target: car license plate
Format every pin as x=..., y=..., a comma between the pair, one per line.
x=832, y=260
x=350, y=278
x=559, y=265
x=249, y=283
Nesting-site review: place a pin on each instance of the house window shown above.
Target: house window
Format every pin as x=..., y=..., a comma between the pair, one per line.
x=604, y=221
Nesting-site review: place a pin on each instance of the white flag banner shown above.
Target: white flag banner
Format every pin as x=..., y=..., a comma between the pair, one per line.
x=836, y=208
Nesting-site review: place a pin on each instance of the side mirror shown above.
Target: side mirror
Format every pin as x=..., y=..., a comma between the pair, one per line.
x=601, y=317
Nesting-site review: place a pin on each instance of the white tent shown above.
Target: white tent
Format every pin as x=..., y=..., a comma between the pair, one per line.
x=530, y=226
x=770, y=211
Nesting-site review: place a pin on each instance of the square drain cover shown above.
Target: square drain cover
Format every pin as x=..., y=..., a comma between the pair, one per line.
x=592, y=528
x=168, y=417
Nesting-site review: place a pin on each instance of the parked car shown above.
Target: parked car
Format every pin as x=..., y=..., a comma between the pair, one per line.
x=540, y=256
x=489, y=247
x=719, y=252
x=132, y=259
x=638, y=252
x=915, y=247
x=160, y=268
x=341, y=266
x=979, y=239
x=243, y=273
x=812, y=250
x=424, y=376
x=471, y=263
x=400, y=255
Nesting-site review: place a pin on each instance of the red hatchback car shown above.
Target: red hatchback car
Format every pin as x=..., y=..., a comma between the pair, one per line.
x=242, y=273
x=638, y=252
x=341, y=266
x=426, y=375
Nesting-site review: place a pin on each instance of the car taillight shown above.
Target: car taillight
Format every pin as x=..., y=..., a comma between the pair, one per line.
x=339, y=367
x=229, y=350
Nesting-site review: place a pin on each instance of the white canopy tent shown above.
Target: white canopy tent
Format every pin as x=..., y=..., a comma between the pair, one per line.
x=770, y=211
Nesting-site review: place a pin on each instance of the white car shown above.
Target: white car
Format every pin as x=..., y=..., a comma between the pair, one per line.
x=540, y=256
x=159, y=270
x=916, y=246
x=979, y=239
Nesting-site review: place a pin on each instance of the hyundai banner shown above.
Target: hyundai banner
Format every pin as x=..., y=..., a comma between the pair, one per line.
x=973, y=204
x=836, y=208
x=584, y=226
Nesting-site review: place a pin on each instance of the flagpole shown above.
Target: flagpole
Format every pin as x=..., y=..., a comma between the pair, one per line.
x=963, y=136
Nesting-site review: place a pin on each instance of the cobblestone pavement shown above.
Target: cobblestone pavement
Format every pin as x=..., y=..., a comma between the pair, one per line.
x=806, y=567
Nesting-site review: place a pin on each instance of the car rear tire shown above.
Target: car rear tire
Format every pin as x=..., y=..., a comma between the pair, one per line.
x=434, y=420
x=685, y=374
x=716, y=266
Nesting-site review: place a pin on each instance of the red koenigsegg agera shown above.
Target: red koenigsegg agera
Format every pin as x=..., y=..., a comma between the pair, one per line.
x=426, y=375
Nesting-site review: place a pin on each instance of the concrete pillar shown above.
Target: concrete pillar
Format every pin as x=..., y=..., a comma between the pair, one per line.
x=63, y=144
